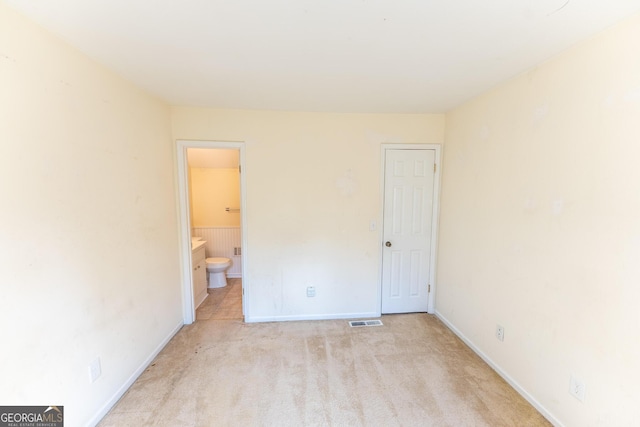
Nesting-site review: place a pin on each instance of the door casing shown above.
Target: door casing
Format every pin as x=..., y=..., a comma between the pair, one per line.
x=434, y=220
x=188, y=310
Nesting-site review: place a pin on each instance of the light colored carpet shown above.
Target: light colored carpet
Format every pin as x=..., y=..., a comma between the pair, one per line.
x=410, y=372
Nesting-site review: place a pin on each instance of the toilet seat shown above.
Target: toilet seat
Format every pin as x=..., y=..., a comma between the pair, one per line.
x=217, y=261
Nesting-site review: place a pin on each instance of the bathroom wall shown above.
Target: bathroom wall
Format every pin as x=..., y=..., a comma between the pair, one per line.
x=88, y=236
x=313, y=187
x=213, y=190
x=539, y=228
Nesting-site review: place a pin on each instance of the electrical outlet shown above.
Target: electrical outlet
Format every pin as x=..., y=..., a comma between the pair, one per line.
x=576, y=388
x=500, y=332
x=311, y=292
x=95, y=370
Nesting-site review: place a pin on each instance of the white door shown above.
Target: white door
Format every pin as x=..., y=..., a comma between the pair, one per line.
x=408, y=213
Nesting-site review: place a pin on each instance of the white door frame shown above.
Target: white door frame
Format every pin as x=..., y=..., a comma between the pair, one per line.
x=431, y=307
x=188, y=310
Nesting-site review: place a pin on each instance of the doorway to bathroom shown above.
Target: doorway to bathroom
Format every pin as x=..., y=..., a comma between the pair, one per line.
x=211, y=218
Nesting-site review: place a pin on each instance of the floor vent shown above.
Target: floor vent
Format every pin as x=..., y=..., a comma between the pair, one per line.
x=358, y=323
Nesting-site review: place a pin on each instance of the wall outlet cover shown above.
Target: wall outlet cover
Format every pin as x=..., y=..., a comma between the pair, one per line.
x=577, y=388
x=95, y=370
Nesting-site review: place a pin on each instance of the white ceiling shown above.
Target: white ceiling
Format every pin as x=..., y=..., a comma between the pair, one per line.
x=388, y=56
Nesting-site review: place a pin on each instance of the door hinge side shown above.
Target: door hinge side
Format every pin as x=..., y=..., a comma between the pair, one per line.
x=434, y=167
x=239, y=169
x=429, y=290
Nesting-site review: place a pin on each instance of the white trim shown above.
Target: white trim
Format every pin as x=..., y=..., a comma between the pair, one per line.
x=102, y=412
x=513, y=383
x=188, y=309
x=259, y=319
x=185, y=221
x=431, y=304
x=225, y=227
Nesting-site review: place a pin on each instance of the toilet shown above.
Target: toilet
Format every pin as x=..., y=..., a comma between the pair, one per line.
x=216, y=268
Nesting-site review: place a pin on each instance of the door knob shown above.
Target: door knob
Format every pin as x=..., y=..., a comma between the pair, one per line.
x=388, y=244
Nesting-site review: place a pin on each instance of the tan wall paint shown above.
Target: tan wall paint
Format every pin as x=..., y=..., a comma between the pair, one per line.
x=88, y=230
x=313, y=185
x=213, y=190
x=540, y=228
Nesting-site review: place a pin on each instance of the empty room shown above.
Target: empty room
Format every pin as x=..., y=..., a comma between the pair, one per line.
x=198, y=198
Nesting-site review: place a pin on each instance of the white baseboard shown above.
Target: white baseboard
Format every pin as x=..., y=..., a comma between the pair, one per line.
x=545, y=413
x=134, y=376
x=259, y=319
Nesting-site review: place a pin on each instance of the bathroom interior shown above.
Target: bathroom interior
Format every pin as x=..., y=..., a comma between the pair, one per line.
x=214, y=211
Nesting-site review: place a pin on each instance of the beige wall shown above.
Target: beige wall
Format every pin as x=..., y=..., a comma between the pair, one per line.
x=88, y=234
x=540, y=228
x=212, y=191
x=313, y=186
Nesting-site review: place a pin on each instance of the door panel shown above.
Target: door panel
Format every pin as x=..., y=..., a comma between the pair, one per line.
x=408, y=213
